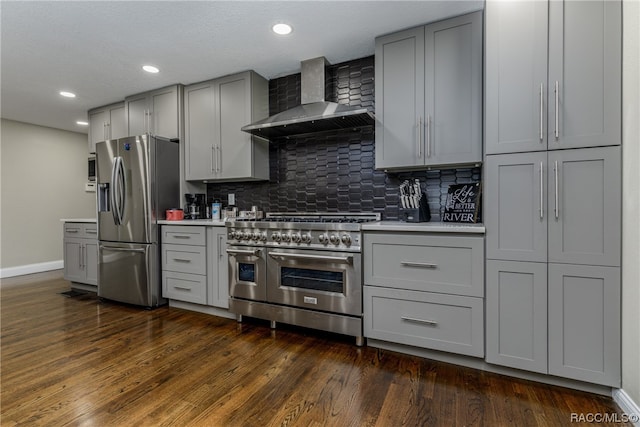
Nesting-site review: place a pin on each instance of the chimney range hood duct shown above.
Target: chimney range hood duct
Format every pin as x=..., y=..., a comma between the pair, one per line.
x=314, y=114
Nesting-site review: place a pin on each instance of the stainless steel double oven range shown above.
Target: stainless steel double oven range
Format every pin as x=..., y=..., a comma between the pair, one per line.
x=299, y=269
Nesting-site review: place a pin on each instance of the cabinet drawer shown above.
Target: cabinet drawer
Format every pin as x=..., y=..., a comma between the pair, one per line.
x=435, y=321
x=183, y=235
x=425, y=262
x=184, y=287
x=81, y=230
x=184, y=259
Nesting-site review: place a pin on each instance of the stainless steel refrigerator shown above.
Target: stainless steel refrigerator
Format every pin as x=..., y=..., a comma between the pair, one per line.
x=137, y=180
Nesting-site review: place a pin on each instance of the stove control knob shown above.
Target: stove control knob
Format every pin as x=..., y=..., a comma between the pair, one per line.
x=306, y=238
x=286, y=237
x=255, y=236
x=296, y=238
x=232, y=234
x=346, y=239
x=263, y=237
x=334, y=239
x=275, y=236
x=323, y=239
x=246, y=235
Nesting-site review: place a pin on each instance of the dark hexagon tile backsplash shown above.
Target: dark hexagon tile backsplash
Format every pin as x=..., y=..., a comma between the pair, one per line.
x=334, y=172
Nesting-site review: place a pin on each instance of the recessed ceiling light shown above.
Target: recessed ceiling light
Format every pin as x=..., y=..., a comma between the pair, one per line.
x=150, y=69
x=81, y=123
x=282, y=29
x=67, y=94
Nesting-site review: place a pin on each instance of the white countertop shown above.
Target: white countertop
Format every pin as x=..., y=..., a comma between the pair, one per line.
x=427, y=227
x=206, y=222
x=93, y=220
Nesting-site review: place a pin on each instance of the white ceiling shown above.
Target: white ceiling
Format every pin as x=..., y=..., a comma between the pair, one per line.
x=96, y=48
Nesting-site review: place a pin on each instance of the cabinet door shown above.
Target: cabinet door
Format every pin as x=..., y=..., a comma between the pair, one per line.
x=199, y=130
x=74, y=260
x=136, y=109
x=514, y=206
x=453, y=90
x=585, y=60
x=164, y=112
x=517, y=315
x=516, y=76
x=399, y=86
x=117, y=122
x=585, y=202
x=91, y=261
x=233, y=157
x=584, y=323
x=97, y=128
x=218, y=277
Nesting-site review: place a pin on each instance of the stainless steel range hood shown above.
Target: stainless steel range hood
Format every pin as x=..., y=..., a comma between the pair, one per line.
x=314, y=114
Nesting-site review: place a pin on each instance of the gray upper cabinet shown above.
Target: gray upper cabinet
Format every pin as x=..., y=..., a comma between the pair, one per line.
x=516, y=211
x=585, y=73
x=429, y=95
x=584, y=199
x=516, y=76
x=565, y=96
x=108, y=122
x=216, y=148
x=158, y=112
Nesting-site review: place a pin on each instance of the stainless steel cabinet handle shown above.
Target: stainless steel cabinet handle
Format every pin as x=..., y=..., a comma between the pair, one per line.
x=179, y=236
x=218, y=159
x=541, y=192
x=181, y=260
x=541, y=112
x=419, y=137
x=555, y=171
x=557, y=95
x=182, y=288
x=71, y=231
x=254, y=252
x=80, y=257
x=220, y=251
x=424, y=321
x=213, y=153
x=429, y=136
x=91, y=232
x=419, y=264
x=345, y=259
x=111, y=248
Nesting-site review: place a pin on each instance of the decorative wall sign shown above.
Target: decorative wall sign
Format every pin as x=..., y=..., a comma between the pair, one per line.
x=463, y=203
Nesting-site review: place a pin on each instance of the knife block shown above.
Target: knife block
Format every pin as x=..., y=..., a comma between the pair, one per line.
x=419, y=214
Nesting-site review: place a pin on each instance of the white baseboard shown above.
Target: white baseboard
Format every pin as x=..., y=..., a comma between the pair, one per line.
x=628, y=406
x=30, y=269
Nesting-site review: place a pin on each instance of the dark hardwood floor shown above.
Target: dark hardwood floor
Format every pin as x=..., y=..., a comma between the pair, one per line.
x=79, y=361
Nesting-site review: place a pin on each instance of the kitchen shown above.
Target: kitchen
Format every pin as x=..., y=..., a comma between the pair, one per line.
x=374, y=184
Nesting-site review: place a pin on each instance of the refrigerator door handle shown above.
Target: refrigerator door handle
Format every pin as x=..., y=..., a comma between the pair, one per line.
x=113, y=193
x=116, y=249
x=122, y=190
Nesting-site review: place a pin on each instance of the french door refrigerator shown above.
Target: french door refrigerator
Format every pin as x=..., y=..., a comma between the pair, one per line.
x=137, y=181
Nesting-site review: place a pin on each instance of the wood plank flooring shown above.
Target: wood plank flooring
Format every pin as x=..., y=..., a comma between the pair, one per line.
x=82, y=362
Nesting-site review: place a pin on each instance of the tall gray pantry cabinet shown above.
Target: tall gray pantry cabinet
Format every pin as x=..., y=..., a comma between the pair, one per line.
x=553, y=188
x=429, y=94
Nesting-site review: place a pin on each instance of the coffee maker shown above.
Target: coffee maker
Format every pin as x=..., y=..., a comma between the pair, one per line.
x=196, y=205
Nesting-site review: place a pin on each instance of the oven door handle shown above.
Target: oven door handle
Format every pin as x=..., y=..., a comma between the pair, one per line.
x=345, y=259
x=254, y=252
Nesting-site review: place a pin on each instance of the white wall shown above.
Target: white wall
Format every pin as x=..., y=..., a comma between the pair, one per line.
x=42, y=177
x=631, y=200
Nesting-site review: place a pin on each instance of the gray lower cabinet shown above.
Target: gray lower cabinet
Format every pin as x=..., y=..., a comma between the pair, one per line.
x=216, y=148
x=184, y=263
x=429, y=94
x=81, y=253
x=584, y=323
x=218, y=279
x=561, y=206
x=194, y=264
x=425, y=290
x=108, y=122
x=516, y=294
x=553, y=75
x=158, y=112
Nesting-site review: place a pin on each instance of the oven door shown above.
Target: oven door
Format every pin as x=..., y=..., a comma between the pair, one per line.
x=318, y=280
x=247, y=273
